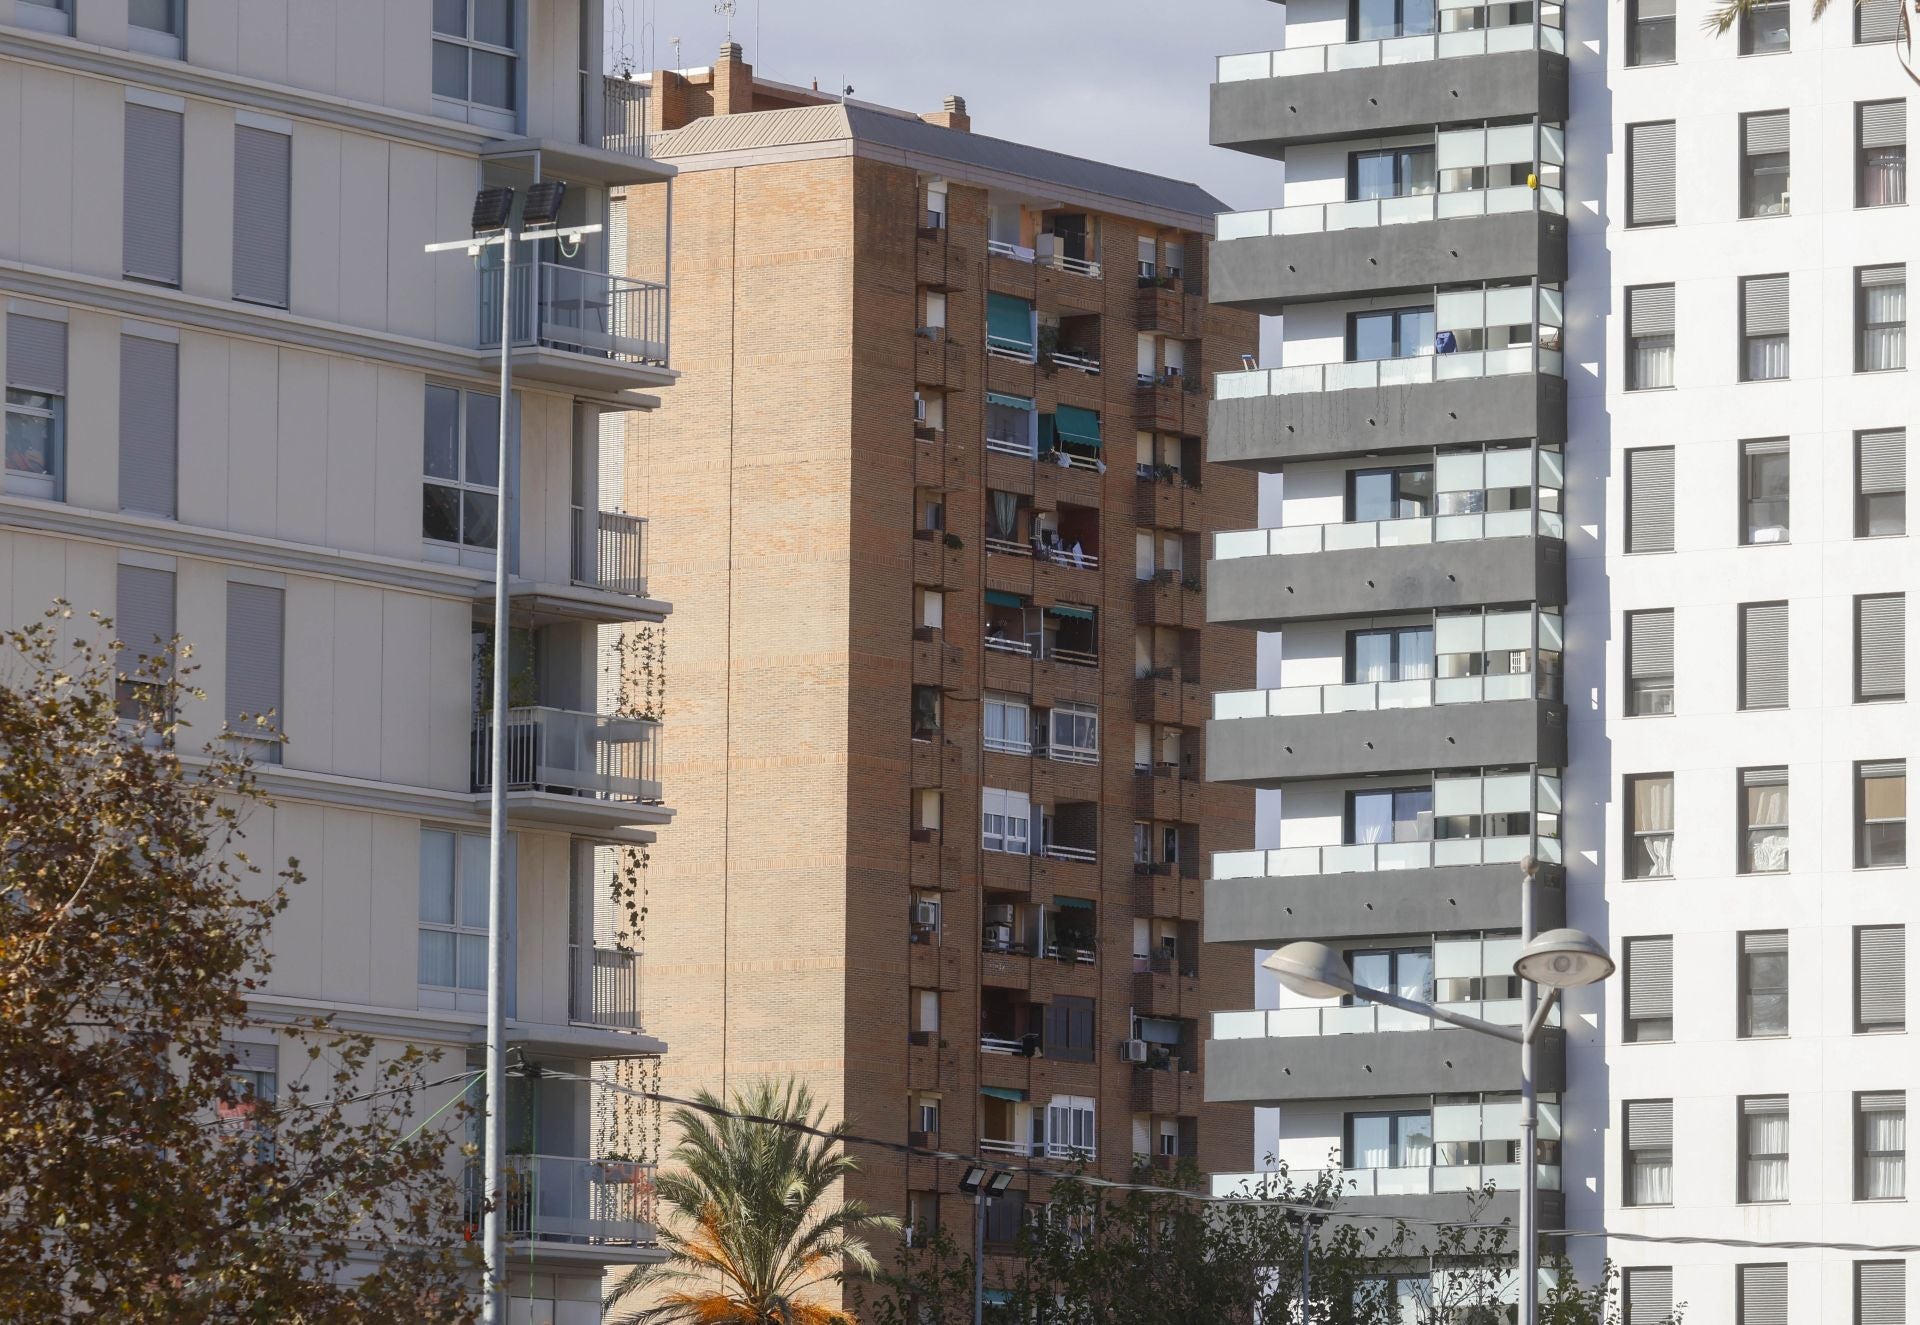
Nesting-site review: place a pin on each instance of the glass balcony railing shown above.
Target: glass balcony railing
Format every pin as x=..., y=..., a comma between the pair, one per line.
x=1375, y=857
x=1292, y=540
x=1410, y=1180
x=1368, y=696
x=1419, y=370
x=1316, y=218
x=1387, y=51
x=1366, y=1019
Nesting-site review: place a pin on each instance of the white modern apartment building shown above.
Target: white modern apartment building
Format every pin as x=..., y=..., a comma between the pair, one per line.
x=1591, y=421
x=243, y=405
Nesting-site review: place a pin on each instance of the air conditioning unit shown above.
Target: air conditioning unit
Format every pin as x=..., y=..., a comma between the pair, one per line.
x=1136, y=1051
x=927, y=914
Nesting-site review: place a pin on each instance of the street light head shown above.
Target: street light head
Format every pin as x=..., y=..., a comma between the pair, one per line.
x=1312, y=969
x=1564, y=959
x=492, y=210
x=998, y=1183
x=543, y=203
x=974, y=1178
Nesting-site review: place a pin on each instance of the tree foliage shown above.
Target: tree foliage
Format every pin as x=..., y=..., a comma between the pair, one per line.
x=142, y=1180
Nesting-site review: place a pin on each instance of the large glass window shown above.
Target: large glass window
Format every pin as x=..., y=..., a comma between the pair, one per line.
x=1374, y=19
x=1407, y=972
x=1007, y=725
x=1650, y=32
x=461, y=500
x=1649, y=803
x=1389, y=333
x=1390, y=494
x=1880, y=1143
x=476, y=60
x=1393, y=172
x=1401, y=654
x=1404, y=815
x=1881, y=315
x=454, y=869
x=1390, y=1140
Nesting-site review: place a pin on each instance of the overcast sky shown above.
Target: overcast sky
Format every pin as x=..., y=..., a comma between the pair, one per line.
x=1123, y=81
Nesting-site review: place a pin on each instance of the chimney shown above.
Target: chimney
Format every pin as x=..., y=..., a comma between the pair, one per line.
x=953, y=115
x=732, y=82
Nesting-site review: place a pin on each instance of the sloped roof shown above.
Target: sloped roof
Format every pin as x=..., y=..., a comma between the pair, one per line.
x=929, y=146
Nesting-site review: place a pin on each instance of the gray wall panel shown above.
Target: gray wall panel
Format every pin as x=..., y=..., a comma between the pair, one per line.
x=1267, y=912
x=1278, y=1069
x=1268, y=752
x=1267, y=592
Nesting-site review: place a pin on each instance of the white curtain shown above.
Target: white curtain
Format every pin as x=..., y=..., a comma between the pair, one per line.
x=1767, y=1165
x=1653, y=1180
x=1416, y=655
x=1652, y=361
x=1766, y=358
x=1884, y=346
x=1886, y=1162
x=1885, y=184
x=1373, y=657
x=1416, y=1145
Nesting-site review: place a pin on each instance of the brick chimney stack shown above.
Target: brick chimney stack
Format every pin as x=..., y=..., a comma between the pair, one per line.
x=951, y=116
x=732, y=82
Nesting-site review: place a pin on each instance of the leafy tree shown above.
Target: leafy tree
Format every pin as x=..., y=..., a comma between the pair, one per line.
x=143, y=1182
x=754, y=1227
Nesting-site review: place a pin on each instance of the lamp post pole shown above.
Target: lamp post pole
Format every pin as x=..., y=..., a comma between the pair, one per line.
x=1529, y=1116
x=980, y=1199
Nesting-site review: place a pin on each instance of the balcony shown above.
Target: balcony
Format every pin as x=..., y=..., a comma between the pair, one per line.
x=1439, y=1192
x=590, y=332
x=574, y=770
x=606, y=988
x=1268, y=101
x=585, y=1210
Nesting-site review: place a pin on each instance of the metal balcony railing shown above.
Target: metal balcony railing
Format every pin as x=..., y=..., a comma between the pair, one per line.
x=1291, y=540
x=1409, y=1180
x=1366, y=213
x=578, y=1202
x=606, y=988
x=1365, y=1019
x=623, y=116
x=1293, y=62
x=574, y=754
x=1364, y=374
x=1376, y=857
x=610, y=551
x=584, y=312
x=994, y=1145
x=1367, y=696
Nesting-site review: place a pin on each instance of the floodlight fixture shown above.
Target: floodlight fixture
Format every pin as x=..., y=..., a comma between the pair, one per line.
x=543, y=203
x=973, y=1180
x=492, y=210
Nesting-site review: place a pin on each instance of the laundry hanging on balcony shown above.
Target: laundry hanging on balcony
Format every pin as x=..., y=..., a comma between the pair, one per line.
x=1078, y=426
x=1010, y=324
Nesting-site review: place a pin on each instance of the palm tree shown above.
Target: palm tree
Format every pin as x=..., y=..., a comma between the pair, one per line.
x=1722, y=19
x=749, y=1232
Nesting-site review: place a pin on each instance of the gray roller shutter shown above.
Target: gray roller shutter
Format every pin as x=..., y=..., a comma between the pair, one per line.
x=1882, y=123
x=36, y=354
x=1650, y=978
x=1650, y=644
x=1880, y=977
x=1763, y=1294
x=1763, y=655
x=1895, y=274
x=1880, y=1290
x=1766, y=132
x=1649, y=1295
x=150, y=211
x=1766, y=940
x=1876, y=20
x=1650, y=499
x=1883, y=461
x=1649, y=1124
x=143, y=618
x=1650, y=166
x=1764, y=306
x=1650, y=311
x=262, y=215
x=256, y=651
x=149, y=426
x=1881, y=633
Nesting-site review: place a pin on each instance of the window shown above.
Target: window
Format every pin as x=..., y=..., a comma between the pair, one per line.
x=1389, y=494
x=461, y=502
x=1069, y=1031
x=1765, y=29
x=926, y=712
x=1763, y=821
x=930, y=608
x=149, y=426
x=1763, y=655
x=930, y=510
x=1070, y=1132
x=1876, y=21
x=1006, y=1214
x=1650, y=173
x=476, y=71
x=1649, y=337
x=454, y=871
x=1401, y=654
x=1073, y=734
x=1650, y=499
x=1400, y=815
x=926, y=1011
x=1881, y=806
x=256, y=653
x=150, y=212
x=36, y=456
x=1011, y=327
x=1879, y=979
x=1880, y=1143
x=923, y=1215
x=1649, y=32
x=1146, y=251
x=936, y=218
x=1882, y=318
x=144, y=622
x=1012, y=426
x=46, y=15
x=1762, y=1291
x=1395, y=172
x=1373, y=19
x=1404, y=971
x=1881, y=131
x=1879, y=1293
x=1647, y=1292
x=1392, y=333
x=1006, y=821
x=1007, y=725
x=1649, y=989
x=1763, y=1150
x=1763, y=985
x=1650, y=663
x=1649, y=1130
x=1650, y=826
x=1765, y=485
x=1880, y=642
x=1763, y=329
x=1390, y=1140
x=255, y=1072
x=926, y=808
x=262, y=215
x=1880, y=473
x=157, y=27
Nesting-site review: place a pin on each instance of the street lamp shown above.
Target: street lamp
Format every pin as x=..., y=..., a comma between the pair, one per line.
x=1558, y=959
x=982, y=1184
x=492, y=226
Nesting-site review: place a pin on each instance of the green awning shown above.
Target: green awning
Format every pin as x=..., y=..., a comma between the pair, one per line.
x=1073, y=903
x=1011, y=402
x=1068, y=609
x=1001, y=598
x=1077, y=425
x=1005, y=1093
x=1009, y=321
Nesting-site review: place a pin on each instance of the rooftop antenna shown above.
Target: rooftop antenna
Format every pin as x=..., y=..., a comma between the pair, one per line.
x=678, y=63
x=726, y=8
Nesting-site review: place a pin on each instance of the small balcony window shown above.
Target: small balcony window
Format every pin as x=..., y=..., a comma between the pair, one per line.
x=1881, y=814
x=1650, y=32
x=1766, y=28
x=1881, y=315
x=1881, y=130
x=460, y=509
x=476, y=62
x=1763, y=985
x=1649, y=802
x=1765, y=488
x=1766, y=176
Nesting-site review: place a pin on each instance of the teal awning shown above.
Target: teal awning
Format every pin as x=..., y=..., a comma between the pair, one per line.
x=1001, y=598
x=1068, y=609
x=1073, y=903
x=1009, y=321
x=1011, y=402
x=1077, y=425
x=1005, y=1093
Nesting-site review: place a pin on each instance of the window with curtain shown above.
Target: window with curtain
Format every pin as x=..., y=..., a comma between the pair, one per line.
x=36, y=407
x=1407, y=972
x=1649, y=1136
x=1399, y=815
x=1763, y=826
x=1649, y=801
x=1880, y=1132
x=1649, y=998
x=1880, y=801
x=1401, y=654
x=1763, y=328
x=1763, y=984
x=1650, y=337
x=1650, y=32
x=1650, y=663
x=1003, y=515
x=1389, y=1140
x=1766, y=178
x=1394, y=172
x=1763, y=1148
x=1880, y=482
x=1006, y=725
x=1882, y=318
x=1765, y=488
x=1880, y=130
x=1879, y=979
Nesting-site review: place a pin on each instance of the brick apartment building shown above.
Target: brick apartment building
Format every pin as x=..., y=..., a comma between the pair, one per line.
x=930, y=504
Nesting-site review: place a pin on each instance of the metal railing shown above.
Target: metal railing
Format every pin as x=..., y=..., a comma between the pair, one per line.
x=995, y=1145
x=1066, y=556
x=1376, y=857
x=993, y=1044
x=579, y=1202
x=623, y=116
x=1293, y=62
x=584, y=312
x=1082, y=855
x=1008, y=644
x=1080, y=362
x=574, y=754
x=1367, y=696
x=1004, y=347
x=1008, y=446
x=1001, y=248
x=606, y=988
x=1366, y=213
x=1079, y=266
x=1008, y=547
x=1366, y=1019
x=1292, y=540
x=1411, y=1180
x=610, y=551
x=1367, y=373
